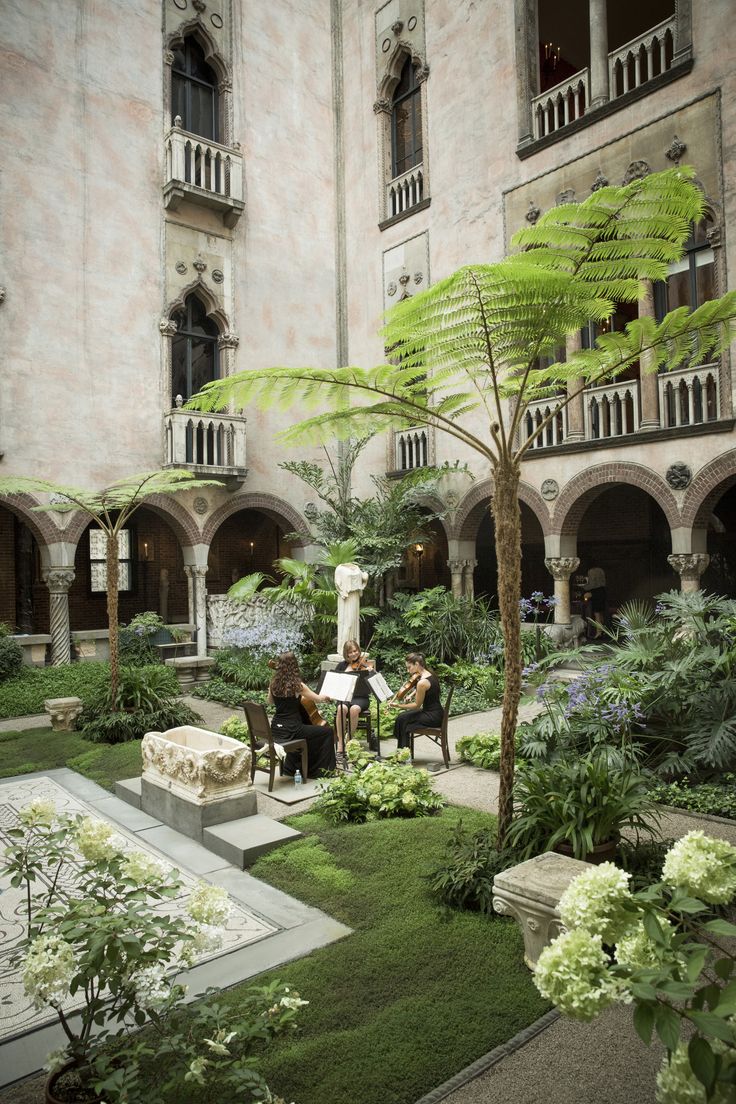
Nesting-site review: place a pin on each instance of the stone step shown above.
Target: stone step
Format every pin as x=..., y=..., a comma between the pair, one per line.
x=129, y=789
x=240, y=842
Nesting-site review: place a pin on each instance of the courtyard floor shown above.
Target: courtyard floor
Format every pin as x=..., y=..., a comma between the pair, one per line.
x=553, y=1060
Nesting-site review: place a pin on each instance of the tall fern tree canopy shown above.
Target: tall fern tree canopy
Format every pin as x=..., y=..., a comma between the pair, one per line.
x=467, y=353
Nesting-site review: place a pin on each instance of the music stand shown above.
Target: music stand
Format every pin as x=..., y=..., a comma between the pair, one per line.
x=340, y=687
x=381, y=692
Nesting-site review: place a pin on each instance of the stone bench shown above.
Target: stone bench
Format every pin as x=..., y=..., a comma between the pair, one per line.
x=63, y=712
x=530, y=892
x=191, y=670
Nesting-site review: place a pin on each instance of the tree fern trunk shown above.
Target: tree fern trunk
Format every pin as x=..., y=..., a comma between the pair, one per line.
x=113, y=572
x=507, y=524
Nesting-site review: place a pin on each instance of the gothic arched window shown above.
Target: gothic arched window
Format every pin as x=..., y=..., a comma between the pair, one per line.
x=194, y=91
x=194, y=352
x=406, y=121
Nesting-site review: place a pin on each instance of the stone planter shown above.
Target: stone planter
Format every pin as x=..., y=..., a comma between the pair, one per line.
x=63, y=712
x=602, y=852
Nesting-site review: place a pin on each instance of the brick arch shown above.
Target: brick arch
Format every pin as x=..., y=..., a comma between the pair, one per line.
x=437, y=506
x=584, y=488
x=709, y=484
x=279, y=511
x=182, y=523
x=477, y=500
x=43, y=528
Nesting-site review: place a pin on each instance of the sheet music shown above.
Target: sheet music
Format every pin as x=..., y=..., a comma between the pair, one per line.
x=379, y=686
x=339, y=685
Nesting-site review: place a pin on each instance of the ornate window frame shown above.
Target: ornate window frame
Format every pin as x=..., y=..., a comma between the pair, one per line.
x=383, y=110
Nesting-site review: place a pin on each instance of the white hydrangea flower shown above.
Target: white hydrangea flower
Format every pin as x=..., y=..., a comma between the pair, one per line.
x=95, y=839
x=292, y=1001
x=56, y=1060
x=573, y=973
x=143, y=869
x=41, y=812
x=677, y=1084
x=596, y=902
x=635, y=949
x=196, y=1070
x=209, y=905
x=408, y=799
x=48, y=969
x=151, y=986
x=703, y=866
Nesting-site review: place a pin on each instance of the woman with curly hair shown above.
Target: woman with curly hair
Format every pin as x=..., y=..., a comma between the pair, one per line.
x=286, y=691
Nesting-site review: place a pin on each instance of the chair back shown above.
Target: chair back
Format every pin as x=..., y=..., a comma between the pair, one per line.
x=446, y=712
x=258, y=723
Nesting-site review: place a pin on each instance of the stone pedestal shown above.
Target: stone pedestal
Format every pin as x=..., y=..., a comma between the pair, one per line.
x=689, y=566
x=191, y=670
x=63, y=712
x=530, y=892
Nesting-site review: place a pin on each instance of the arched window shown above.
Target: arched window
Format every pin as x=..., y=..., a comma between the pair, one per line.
x=691, y=280
x=406, y=121
x=194, y=352
x=194, y=91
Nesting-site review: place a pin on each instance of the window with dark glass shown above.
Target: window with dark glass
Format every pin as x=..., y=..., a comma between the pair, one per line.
x=194, y=353
x=194, y=91
x=406, y=122
x=98, y=560
x=691, y=280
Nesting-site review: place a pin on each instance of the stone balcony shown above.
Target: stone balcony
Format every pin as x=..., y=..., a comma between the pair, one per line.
x=405, y=192
x=203, y=172
x=211, y=445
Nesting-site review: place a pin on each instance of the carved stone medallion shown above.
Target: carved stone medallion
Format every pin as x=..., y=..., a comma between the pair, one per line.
x=533, y=213
x=637, y=170
x=600, y=181
x=181, y=268
x=550, y=489
x=217, y=275
x=200, y=505
x=676, y=150
x=679, y=476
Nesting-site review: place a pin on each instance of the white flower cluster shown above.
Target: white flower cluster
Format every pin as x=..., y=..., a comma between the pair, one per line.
x=292, y=1000
x=48, y=969
x=151, y=987
x=55, y=1060
x=596, y=901
x=572, y=973
x=703, y=866
x=676, y=1083
x=39, y=813
x=143, y=869
x=220, y=1043
x=96, y=840
x=635, y=949
x=209, y=905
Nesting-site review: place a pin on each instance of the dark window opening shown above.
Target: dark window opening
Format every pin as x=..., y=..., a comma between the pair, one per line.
x=406, y=122
x=194, y=352
x=194, y=91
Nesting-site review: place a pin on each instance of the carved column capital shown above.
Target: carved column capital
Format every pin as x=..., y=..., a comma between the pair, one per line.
x=228, y=340
x=689, y=565
x=382, y=107
x=58, y=579
x=561, y=567
x=197, y=572
x=168, y=327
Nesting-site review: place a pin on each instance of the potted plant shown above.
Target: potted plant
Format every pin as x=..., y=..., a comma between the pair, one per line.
x=109, y=943
x=580, y=805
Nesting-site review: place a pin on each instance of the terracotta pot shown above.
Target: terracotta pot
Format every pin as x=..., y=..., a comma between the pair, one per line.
x=50, y=1090
x=602, y=852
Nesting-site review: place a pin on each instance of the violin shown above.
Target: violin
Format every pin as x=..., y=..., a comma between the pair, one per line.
x=360, y=665
x=308, y=708
x=407, y=688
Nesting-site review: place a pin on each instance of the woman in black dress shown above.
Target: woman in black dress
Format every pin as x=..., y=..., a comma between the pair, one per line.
x=286, y=691
x=352, y=661
x=426, y=709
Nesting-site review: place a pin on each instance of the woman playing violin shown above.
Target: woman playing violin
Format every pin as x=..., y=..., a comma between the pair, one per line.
x=352, y=661
x=426, y=708
x=285, y=691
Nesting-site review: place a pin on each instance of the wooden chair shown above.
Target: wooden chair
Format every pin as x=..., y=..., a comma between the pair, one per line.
x=438, y=735
x=262, y=744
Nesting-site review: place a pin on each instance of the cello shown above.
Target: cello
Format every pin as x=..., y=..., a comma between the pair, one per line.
x=308, y=708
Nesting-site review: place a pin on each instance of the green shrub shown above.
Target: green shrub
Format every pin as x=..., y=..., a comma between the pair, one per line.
x=26, y=692
x=117, y=727
x=643, y=859
x=136, y=650
x=225, y=693
x=464, y=877
x=146, y=701
x=714, y=798
x=236, y=729
x=483, y=750
x=376, y=789
x=11, y=657
x=243, y=669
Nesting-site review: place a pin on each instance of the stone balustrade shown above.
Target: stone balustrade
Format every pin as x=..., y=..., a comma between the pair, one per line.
x=689, y=396
x=612, y=410
x=405, y=191
x=412, y=448
x=562, y=104
x=215, y=443
x=204, y=172
x=554, y=433
x=641, y=59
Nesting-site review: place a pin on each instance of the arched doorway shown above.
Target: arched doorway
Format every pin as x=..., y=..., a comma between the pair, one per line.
x=720, y=575
x=625, y=532
x=534, y=575
x=24, y=597
x=247, y=541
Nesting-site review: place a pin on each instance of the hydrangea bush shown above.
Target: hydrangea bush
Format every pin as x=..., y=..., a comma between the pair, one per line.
x=110, y=940
x=375, y=789
x=660, y=949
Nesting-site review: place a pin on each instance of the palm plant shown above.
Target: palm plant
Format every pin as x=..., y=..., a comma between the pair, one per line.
x=111, y=510
x=467, y=358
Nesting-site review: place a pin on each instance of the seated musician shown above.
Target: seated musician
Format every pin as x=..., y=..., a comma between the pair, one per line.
x=426, y=709
x=286, y=691
x=352, y=661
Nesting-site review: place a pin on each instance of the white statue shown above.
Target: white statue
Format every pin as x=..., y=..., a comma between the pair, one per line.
x=350, y=582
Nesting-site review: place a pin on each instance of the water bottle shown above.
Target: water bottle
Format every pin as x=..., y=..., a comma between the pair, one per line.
x=298, y=778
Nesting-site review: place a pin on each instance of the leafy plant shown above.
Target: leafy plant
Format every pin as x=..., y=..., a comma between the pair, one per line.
x=113, y=942
x=463, y=879
x=582, y=801
x=11, y=657
x=25, y=693
x=235, y=729
x=483, y=749
x=717, y=798
x=146, y=701
x=375, y=789
x=118, y=726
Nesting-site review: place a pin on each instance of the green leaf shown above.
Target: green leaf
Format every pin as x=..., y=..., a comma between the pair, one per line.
x=695, y=962
x=711, y=1024
x=644, y=1022
x=654, y=930
x=720, y=927
x=726, y=1004
x=724, y=968
x=702, y=1062
x=667, y=1023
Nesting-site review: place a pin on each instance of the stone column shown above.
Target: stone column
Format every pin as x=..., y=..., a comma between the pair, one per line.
x=649, y=386
x=575, y=408
x=58, y=580
x=200, y=609
x=598, y=53
x=689, y=566
x=163, y=593
x=469, y=567
x=191, y=611
x=561, y=568
x=456, y=577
